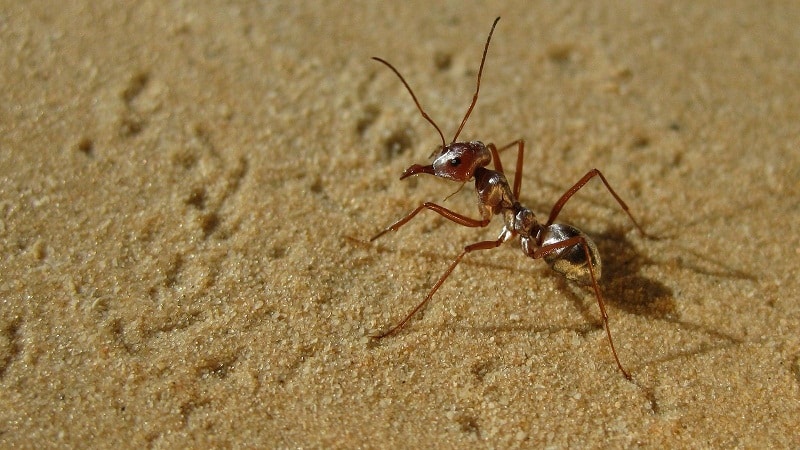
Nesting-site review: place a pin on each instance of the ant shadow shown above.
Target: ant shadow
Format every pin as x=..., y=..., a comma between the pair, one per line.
x=622, y=285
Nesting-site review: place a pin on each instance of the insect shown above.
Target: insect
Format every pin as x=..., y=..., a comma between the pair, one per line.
x=566, y=249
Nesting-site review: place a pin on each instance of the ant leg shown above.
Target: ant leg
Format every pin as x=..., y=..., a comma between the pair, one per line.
x=541, y=252
x=518, y=169
x=520, y=143
x=498, y=165
x=441, y=210
x=571, y=191
x=484, y=245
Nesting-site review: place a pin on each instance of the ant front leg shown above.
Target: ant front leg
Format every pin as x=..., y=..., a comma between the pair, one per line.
x=498, y=166
x=545, y=250
x=441, y=210
x=582, y=182
x=483, y=245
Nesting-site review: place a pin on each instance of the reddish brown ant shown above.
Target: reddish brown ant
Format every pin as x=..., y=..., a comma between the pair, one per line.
x=565, y=248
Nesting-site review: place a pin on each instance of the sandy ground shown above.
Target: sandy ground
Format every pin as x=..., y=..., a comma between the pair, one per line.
x=187, y=191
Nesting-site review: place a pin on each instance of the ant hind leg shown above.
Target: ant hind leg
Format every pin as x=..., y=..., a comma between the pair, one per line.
x=545, y=250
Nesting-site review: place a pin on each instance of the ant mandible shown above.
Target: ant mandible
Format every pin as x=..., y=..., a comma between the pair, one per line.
x=565, y=248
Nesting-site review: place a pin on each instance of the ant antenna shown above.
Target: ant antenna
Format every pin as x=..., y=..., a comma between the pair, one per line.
x=478, y=88
x=419, y=107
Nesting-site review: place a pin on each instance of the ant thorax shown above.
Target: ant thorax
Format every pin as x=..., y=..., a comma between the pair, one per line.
x=494, y=193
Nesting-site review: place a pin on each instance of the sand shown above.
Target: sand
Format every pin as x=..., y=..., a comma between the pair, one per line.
x=188, y=191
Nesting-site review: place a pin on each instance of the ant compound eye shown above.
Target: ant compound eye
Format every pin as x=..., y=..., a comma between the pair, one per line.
x=455, y=161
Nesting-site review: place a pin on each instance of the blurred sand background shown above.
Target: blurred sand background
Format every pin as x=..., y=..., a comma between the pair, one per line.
x=187, y=189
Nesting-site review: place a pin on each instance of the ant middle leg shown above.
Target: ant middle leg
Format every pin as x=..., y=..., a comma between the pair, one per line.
x=441, y=210
x=545, y=250
x=582, y=182
x=483, y=245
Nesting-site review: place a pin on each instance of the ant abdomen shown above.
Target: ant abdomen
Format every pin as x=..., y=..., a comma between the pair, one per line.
x=571, y=261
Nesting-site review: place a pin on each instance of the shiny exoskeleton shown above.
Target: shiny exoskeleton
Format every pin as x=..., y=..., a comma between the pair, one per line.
x=565, y=248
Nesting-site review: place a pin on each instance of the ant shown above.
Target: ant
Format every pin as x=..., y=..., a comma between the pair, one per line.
x=566, y=249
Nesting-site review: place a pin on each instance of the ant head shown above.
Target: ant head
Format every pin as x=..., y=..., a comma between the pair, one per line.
x=457, y=161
